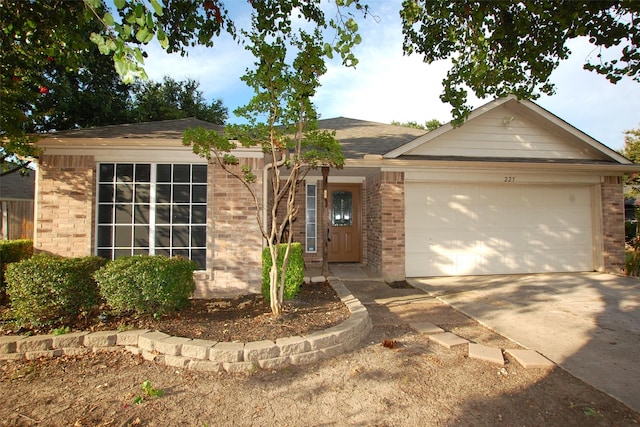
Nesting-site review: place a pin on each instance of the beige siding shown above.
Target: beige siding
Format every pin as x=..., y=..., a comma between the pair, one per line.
x=502, y=133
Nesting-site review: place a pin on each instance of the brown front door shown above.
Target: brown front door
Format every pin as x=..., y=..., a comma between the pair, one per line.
x=345, y=229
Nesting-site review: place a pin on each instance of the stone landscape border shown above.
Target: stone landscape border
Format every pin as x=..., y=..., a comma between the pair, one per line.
x=204, y=355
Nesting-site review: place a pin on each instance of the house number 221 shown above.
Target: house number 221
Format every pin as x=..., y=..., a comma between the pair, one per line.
x=509, y=179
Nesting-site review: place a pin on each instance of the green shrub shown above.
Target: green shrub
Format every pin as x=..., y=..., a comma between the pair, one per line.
x=13, y=251
x=295, y=270
x=147, y=284
x=45, y=288
x=632, y=263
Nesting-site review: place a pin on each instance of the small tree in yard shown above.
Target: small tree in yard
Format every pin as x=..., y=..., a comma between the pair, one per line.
x=289, y=136
x=631, y=151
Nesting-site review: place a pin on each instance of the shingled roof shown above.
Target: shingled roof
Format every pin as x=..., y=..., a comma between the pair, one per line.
x=357, y=137
x=165, y=129
x=360, y=137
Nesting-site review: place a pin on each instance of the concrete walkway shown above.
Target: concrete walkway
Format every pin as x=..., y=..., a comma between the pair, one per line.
x=587, y=323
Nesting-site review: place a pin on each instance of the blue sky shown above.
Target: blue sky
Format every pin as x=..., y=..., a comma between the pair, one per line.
x=388, y=86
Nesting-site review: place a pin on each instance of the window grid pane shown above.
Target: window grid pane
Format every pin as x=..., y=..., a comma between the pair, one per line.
x=311, y=241
x=152, y=208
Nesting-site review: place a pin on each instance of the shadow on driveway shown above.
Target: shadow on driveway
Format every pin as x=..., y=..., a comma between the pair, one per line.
x=588, y=323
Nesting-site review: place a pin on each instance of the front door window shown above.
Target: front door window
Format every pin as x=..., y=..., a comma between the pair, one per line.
x=342, y=209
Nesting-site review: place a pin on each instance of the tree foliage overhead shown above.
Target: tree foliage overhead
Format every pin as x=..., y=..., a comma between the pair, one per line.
x=511, y=47
x=92, y=95
x=35, y=38
x=53, y=78
x=631, y=148
x=179, y=24
x=631, y=151
x=429, y=125
x=171, y=99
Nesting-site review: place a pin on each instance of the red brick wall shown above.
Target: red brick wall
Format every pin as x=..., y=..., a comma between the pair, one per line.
x=384, y=224
x=613, y=224
x=65, y=222
x=234, y=238
x=64, y=205
x=392, y=195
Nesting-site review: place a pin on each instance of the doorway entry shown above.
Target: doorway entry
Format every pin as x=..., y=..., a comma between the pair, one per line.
x=345, y=223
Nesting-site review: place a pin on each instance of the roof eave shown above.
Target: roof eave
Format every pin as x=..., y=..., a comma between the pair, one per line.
x=404, y=164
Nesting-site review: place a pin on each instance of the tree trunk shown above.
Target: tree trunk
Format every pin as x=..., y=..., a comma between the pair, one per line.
x=275, y=302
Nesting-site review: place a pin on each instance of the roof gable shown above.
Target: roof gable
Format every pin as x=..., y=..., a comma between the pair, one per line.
x=510, y=129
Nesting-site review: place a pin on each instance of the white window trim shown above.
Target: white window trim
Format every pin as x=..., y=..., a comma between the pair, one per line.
x=315, y=218
x=152, y=205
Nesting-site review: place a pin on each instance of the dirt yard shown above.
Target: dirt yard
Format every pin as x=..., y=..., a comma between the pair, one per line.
x=414, y=383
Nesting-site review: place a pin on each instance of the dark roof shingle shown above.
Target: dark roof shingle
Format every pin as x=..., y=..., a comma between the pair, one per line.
x=165, y=129
x=360, y=137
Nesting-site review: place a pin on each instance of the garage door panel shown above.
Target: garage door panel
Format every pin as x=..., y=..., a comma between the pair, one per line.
x=455, y=229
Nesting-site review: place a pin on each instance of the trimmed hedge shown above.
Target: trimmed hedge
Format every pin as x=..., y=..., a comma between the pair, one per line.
x=295, y=270
x=147, y=284
x=13, y=251
x=46, y=288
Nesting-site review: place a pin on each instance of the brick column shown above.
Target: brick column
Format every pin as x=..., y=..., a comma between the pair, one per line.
x=235, y=237
x=612, y=224
x=64, y=205
x=393, y=214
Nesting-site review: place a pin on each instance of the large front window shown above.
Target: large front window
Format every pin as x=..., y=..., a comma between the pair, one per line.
x=155, y=209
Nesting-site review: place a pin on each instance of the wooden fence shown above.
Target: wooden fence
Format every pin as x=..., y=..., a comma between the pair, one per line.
x=16, y=219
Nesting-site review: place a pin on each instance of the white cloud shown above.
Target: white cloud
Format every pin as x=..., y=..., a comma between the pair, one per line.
x=386, y=85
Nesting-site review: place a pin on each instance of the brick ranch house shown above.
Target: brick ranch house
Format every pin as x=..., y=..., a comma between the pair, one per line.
x=513, y=190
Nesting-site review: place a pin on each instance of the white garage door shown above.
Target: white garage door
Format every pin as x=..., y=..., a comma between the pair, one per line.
x=461, y=229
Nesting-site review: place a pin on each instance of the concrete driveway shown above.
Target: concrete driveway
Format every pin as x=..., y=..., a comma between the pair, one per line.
x=588, y=323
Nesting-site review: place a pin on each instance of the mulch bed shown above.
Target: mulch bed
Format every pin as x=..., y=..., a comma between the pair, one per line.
x=245, y=318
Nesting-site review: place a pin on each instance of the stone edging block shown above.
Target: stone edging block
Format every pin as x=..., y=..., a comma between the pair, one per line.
x=197, y=349
x=229, y=352
x=72, y=340
x=100, y=339
x=204, y=355
x=35, y=343
x=147, y=341
x=130, y=337
x=8, y=343
x=258, y=350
